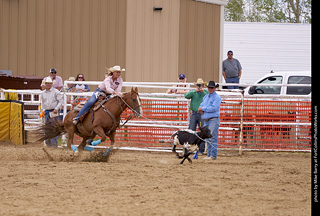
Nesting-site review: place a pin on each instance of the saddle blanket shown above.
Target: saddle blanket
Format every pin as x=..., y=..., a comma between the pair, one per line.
x=96, y=106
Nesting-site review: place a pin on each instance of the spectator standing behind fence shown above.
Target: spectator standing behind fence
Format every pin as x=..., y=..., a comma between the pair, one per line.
x=231, y=70
x=210, y=113
x=182, y=79
x=51, y=102
x=81, y=87
x=196, y=97
x=57, y=80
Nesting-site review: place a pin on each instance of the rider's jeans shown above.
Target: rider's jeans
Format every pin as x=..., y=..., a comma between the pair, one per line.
x=90, y=102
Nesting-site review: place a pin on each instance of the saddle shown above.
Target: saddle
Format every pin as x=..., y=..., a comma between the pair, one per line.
x=102, y=99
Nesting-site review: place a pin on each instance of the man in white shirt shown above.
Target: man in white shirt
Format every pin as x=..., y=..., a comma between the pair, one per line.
x=51, y=102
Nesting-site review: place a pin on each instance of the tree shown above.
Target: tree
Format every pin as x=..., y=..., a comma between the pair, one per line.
x=301, y=10
x=293, y=11
x=265, y=11
x=235, y=11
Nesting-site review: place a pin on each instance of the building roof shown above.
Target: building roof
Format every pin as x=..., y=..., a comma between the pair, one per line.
x=217, y=2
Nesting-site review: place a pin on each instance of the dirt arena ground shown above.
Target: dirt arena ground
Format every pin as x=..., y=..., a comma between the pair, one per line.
x=145, y=183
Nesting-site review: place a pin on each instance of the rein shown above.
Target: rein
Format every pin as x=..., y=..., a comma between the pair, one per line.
x=114, y=121
x=132, y=109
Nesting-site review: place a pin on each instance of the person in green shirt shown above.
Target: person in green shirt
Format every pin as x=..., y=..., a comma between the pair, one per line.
x=196, y=97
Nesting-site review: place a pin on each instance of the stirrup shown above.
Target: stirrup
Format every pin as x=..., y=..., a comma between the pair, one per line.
x=75, y=121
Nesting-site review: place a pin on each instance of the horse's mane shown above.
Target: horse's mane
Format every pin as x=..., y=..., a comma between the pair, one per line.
x=123, y=95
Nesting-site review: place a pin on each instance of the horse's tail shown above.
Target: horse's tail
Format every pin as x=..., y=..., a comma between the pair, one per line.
x=49, y=130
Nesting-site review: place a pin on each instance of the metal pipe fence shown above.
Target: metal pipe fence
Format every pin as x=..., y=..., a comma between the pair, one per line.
x=276, y=123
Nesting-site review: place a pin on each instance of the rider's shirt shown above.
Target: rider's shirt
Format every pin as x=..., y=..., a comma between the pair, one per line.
x=108, y=85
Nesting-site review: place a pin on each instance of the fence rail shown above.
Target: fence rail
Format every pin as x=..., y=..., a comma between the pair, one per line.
x=263, y=122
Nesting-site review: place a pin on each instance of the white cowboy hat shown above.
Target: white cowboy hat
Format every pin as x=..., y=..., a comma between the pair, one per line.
x=48, y=80
x=115, y=68
x=200, y=81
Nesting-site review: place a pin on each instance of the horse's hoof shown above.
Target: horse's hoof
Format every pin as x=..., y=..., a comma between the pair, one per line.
x=88, y=148
x=107, y=152
x=76, y=153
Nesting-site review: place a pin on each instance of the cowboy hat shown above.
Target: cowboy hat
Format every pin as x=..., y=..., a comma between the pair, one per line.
x=48, y=80
x=199, y=81
x=212, y=84
x=71, y=79
x=115, y=68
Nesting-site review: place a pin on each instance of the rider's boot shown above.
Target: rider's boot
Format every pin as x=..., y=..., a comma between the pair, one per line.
x=75, y=121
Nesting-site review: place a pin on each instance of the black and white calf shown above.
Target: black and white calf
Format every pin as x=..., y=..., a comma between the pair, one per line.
x=190, y=141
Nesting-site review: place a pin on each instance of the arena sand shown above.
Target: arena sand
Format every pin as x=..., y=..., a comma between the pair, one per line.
x=144, y=183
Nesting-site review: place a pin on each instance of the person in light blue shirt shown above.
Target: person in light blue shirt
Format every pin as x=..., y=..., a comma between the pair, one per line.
x=210, y=113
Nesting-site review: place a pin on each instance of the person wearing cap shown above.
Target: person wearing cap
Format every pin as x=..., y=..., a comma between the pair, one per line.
x=196, y=97
x=182, y=79
x=57, y=80
x=111, y=85
x=51, y=102
x=210, y=113
x=231, y=70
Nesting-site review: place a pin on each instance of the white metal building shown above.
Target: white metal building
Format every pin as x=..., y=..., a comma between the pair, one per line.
x=262, y=47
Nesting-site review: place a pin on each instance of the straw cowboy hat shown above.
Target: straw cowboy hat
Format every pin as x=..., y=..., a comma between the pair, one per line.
x=71, y=79
x=73, y=86
x=200, y=81
x=114, y=69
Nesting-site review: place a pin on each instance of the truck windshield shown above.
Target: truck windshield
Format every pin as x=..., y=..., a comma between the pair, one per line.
x=269, y=89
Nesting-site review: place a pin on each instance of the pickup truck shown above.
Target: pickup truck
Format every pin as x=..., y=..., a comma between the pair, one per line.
x=287, y=77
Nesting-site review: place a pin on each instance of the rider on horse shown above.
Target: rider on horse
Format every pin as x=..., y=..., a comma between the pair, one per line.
x=111, y=85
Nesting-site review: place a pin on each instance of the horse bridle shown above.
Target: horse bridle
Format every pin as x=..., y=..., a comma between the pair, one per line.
x=132, y=109
x=114, y=121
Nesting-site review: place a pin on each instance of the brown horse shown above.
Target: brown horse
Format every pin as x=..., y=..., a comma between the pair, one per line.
x=102, y=122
